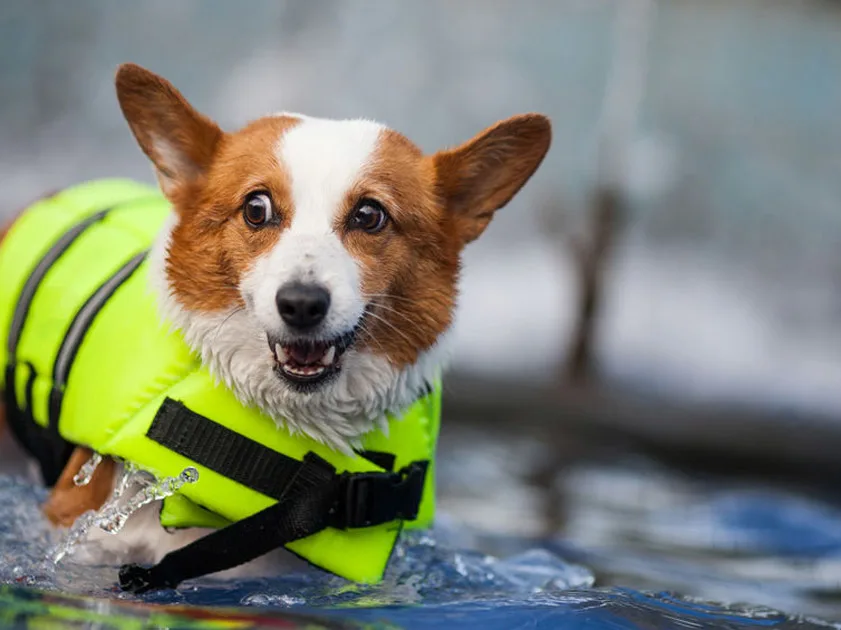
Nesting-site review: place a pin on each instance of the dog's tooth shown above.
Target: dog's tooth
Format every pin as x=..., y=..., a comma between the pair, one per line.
x=279, y=354
x=328, y=357
x=308, y=370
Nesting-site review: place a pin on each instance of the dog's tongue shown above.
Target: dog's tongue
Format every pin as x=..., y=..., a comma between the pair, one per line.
x=306, y=354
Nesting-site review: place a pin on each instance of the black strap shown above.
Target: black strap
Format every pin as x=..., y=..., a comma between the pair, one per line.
x=302, y=511
x=312, y=498
x=381, y=459
x=222, y=450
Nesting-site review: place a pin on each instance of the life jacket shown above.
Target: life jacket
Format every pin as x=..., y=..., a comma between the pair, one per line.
x=89, y=362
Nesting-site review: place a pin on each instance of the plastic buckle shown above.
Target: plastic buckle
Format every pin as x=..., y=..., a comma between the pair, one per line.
x=368, y=499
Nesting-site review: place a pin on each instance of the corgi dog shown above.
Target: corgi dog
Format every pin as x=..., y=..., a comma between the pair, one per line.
x=310, y=265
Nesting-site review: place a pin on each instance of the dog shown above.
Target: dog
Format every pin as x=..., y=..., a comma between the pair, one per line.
x=310, y=265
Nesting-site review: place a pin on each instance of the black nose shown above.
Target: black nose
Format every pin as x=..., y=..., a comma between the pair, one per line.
x=302, y=306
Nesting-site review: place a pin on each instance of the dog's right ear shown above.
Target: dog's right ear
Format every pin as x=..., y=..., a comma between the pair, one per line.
x=178, y=140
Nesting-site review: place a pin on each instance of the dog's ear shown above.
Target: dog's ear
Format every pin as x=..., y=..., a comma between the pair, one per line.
x=179, y=140
x=480, y=176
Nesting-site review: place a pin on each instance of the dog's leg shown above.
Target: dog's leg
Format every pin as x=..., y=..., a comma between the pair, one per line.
x=68, y=501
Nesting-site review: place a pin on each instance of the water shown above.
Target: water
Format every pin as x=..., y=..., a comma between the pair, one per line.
x=428, y=569
x=628, y=524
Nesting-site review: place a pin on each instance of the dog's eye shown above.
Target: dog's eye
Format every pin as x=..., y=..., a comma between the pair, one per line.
x=368, y=216
x=257, y=210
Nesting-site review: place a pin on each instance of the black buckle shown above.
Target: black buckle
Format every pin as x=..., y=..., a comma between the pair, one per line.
x=367, y=499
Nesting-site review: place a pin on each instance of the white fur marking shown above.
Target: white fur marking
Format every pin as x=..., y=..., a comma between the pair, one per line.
x=324, y=159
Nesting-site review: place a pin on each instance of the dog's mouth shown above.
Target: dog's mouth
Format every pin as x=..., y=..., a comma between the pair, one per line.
x=309, y=362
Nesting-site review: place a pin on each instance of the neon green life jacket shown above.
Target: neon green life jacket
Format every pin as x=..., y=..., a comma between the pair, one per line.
x=88, y=362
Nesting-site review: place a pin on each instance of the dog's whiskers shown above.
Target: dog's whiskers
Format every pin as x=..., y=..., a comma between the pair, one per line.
x=238, y=309
x=365, y=329
x=391, y=309
x=369, y=336
x=390, y=325
x=389, y=296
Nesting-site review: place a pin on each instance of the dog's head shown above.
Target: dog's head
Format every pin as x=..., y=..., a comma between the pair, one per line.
x=314, y=263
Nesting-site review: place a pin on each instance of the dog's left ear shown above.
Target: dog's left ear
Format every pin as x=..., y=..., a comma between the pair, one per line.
x=482, y=175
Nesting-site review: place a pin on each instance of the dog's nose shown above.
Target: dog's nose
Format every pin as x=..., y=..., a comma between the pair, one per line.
x=302, y=306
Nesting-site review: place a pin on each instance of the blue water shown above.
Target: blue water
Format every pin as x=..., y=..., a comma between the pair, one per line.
x=441, y=578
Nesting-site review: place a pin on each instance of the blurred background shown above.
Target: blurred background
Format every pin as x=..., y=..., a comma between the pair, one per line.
x=648, y=357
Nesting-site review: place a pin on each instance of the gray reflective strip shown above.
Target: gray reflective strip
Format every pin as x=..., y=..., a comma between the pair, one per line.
x=80, y=325
x=27, y=294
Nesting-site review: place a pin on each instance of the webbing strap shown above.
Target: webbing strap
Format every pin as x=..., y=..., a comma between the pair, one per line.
x=302, y=511
x=383, y=460
x=226, y=452
x=311, y=496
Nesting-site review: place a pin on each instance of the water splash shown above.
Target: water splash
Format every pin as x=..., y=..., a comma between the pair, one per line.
x=427, y=568
x=433, y=566
x=130, y=476
x=115, y=512
x=114, y=516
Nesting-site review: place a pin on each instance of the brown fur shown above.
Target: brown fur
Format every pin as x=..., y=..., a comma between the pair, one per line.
x=438, y=203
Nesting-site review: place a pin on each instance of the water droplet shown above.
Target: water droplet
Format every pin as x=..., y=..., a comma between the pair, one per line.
x=190, y=475
x=85, y=474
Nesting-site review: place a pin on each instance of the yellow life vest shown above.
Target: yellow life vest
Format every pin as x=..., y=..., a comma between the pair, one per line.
x=88, y=362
